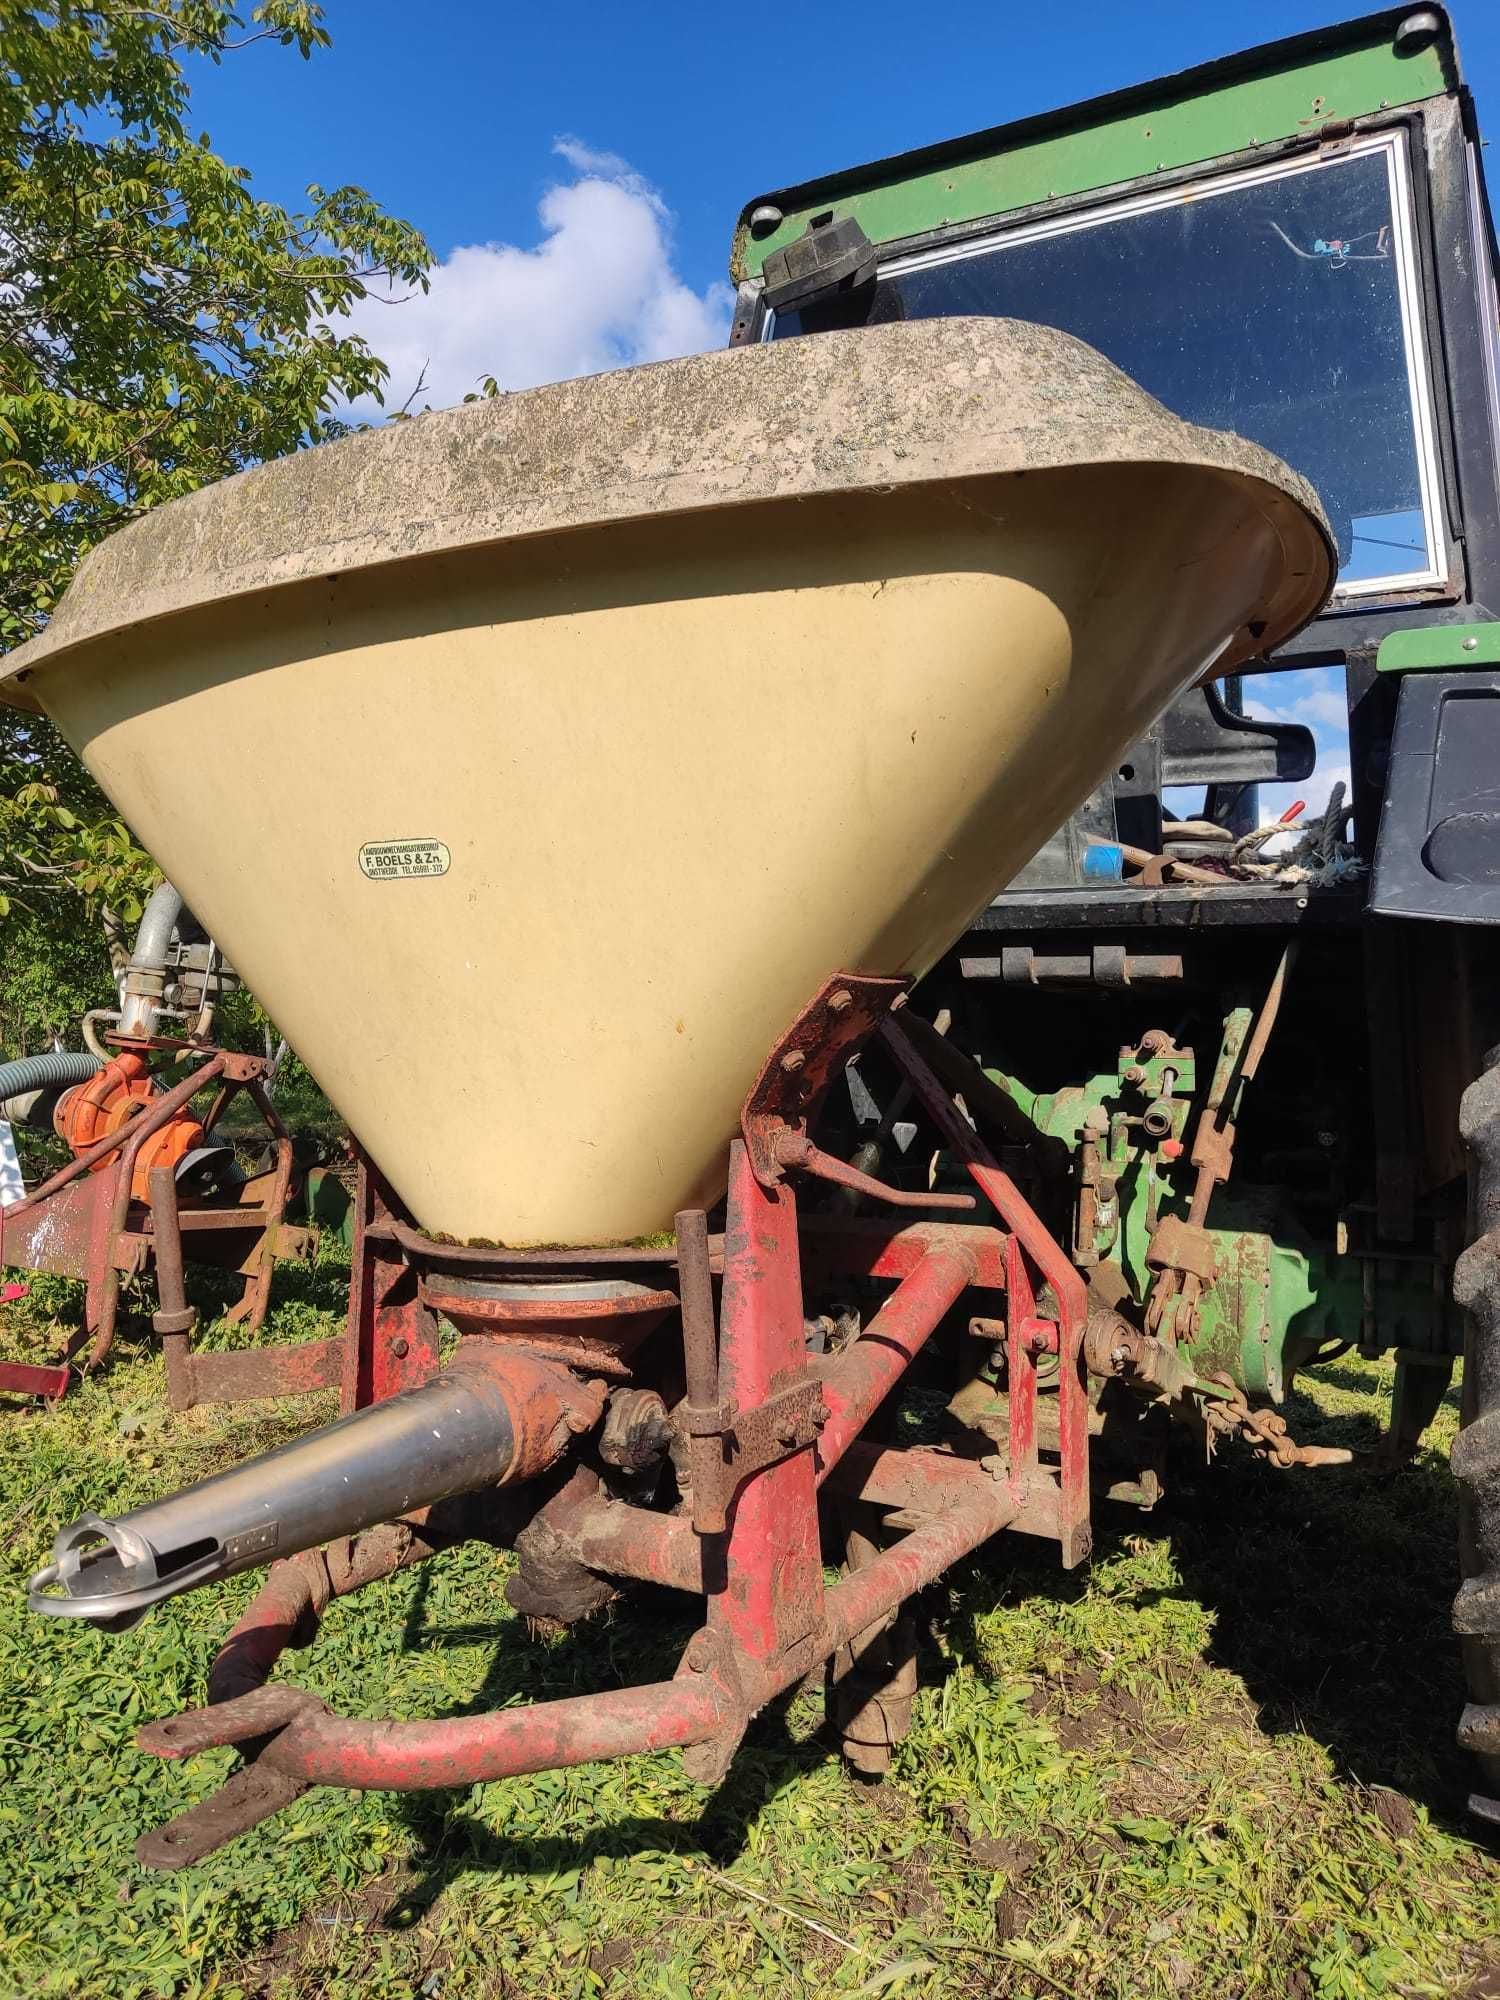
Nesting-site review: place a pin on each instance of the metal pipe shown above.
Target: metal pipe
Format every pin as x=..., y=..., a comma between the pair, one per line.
x=700, y=1361
x=860, y=1379
x=912, y=1563
x=700, y=1340
x=314, y=1747
x=631, y=1543
x=145, y=976
x=324, y=1749
x=166, y=1245
x=296, y=1593
x=491, y=1417
x=174, y=1319
x=619, y=1540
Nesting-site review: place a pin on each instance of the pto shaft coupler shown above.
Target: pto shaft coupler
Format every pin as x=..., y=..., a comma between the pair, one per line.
x=496, y=1415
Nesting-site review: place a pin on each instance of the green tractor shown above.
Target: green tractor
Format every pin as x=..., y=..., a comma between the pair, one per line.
x=1244, y=1058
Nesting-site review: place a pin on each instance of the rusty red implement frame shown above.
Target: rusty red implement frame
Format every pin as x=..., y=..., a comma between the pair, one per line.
x=765, y=1427
x=83, y=1222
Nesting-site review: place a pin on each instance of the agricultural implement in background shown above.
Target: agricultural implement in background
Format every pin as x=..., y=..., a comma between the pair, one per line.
x=679, y=1314
x=152, y=1185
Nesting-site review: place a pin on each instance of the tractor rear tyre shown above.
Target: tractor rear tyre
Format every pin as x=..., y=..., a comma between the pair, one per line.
x=1476, y=1451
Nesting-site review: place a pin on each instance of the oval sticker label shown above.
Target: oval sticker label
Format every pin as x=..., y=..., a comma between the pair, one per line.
x=394, y=860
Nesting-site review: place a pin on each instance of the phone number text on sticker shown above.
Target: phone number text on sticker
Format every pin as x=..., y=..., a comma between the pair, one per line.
x=394, y=860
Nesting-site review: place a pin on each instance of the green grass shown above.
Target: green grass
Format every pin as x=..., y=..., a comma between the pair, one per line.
x=1218, y=1762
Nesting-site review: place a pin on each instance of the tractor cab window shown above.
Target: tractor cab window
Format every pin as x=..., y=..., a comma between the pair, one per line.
x=1281, y=303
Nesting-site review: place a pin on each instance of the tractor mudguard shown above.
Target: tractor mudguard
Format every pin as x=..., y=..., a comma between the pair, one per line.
x=1438, y=850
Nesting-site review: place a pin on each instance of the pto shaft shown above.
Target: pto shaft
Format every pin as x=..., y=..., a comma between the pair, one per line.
x=495, y=1416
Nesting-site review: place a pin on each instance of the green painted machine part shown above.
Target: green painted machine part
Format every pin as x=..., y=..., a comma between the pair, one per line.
x=1425, y=648
x=330, y=1207
x=1279, y=1299
x=1134, y=135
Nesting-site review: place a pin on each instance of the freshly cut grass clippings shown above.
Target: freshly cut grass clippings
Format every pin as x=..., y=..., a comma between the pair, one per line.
x=1218, y=1761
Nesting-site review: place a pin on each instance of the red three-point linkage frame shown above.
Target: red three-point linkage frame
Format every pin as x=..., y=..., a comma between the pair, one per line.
x=766, y=1428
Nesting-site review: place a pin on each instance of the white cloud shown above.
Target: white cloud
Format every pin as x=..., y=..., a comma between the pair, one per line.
x=1320, y=708
x=586, y=159
x=1315, y=697
x=598, y=290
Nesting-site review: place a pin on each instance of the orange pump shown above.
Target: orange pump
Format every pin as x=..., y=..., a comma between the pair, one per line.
x=94, y=1110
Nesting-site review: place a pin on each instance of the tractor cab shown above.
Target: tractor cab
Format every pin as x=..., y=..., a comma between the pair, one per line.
x=1235, y=1008
x=1294, y=244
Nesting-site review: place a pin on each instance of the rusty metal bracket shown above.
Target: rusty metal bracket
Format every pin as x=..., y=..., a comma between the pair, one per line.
x=804, y=1063
x=795, y=1149
x=249, y=1795
x=1177, y=1246
x=750, y=1440
x=246, y=1798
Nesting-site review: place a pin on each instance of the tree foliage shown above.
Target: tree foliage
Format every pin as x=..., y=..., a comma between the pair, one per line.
x=63, y=852
x=160, y=328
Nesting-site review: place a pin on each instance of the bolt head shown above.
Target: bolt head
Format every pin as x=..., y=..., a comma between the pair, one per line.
x=792, y=1061
x=840, y=1002
x=1471, y=645
x=700, y=1654
x=400, y=1348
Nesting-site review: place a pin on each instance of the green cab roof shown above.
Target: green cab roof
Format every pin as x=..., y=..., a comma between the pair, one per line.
x=1279, y=92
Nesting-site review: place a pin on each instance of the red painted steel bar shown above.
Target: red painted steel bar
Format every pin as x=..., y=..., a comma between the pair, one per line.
x=629, y=1542
x=860, y=1379
x=912, y=1563
x=265, y=1629
x=27, y=1378
x=625, y=1541
x=1052, y=1264
x=1020, y=1312
x=379, y=1756
x=861, y=1248
x=324, y=1749
x=390, y=1338
x=919, y=1480
x=291, y=1602
x=772, y=1548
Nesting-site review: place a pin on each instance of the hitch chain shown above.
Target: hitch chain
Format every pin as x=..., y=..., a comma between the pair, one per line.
x=1264, y=1431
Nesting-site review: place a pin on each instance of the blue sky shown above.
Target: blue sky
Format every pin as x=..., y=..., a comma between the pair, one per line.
x=449, y=113
x=578, y=171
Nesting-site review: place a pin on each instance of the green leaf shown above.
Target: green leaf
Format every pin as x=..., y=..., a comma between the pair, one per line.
x=1157, y=1831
